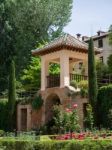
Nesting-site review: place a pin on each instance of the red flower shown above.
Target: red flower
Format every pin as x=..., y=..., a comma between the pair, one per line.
x=75, y=106
x=68, y=110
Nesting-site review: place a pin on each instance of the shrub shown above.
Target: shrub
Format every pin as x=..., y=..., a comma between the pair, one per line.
x=104, y=105
x=83, y=85
x=74, y=83
x=3, y=115
x=2, y=133
x=89, y=120
x=37, y=102
x=54, y=145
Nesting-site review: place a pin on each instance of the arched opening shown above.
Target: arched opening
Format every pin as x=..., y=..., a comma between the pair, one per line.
x=52, y=100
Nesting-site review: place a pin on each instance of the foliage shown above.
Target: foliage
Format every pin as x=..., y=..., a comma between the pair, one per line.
x=74, y=83
x=101, y=68
x=104, y=105
x=25, y=24
x=60, y=119
x=109, y=62
x=72, y=119
x=11, y=92
x=31, y=76
x=92, y=76
x=54, y=145
x=110, y=35
x=66, y=119
x=3, y=115
x=83, y=85
x=89, y=120
x=54, y=68
x=37, y=102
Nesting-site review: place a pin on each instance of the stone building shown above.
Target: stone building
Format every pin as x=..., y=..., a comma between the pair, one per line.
x=67, y=51
x=101, y=40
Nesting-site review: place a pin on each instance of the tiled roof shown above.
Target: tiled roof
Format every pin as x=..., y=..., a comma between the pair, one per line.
x=95, y=37
x=66, y=41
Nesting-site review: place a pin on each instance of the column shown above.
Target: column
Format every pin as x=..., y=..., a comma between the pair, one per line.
x=44, y=73
x=64, y=70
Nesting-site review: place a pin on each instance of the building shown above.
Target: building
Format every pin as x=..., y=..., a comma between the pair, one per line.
x=101, y=40
x=66, y=51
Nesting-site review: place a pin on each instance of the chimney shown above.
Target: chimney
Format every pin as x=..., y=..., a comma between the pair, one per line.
x=84, y=38
x=100, y=32
x=78, y=35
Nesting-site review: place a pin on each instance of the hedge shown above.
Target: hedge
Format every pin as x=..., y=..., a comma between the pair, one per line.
x=104, y=106
x=56, y=145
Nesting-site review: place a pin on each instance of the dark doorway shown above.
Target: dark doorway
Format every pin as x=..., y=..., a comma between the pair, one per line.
x=24, y=119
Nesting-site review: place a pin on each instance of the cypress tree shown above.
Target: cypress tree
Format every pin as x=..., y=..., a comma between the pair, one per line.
x=92, y=75
x=11, y=93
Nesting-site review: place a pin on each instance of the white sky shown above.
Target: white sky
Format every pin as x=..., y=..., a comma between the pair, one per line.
x=89, y=16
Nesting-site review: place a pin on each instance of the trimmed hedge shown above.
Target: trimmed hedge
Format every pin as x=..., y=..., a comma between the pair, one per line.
x=56, y=145
x=104, y=105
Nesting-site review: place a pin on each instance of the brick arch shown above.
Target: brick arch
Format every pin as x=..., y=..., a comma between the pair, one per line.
x=51, y=100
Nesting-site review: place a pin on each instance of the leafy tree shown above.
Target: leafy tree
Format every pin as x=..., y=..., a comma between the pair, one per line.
x=32, y=74
x=109, y=62
x=25, y=24
x=31, y=77
x=12, y=93
x=101, y=68
x=110, y=35
x=92, y=74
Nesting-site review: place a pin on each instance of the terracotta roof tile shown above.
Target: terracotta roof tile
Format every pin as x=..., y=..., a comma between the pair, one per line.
x=65, y=41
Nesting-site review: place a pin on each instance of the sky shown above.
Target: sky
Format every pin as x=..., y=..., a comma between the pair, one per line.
x=89, y=16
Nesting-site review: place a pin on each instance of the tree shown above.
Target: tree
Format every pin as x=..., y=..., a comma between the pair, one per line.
x=92, y=75
x=11, y=93
x=25, y=24
x=31, y=76
x=110, y=35
x=109, y=62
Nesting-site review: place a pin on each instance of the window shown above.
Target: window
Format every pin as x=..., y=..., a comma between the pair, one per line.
x=100, y=43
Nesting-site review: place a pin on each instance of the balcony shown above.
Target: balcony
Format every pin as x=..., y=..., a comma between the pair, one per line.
x=54, y=80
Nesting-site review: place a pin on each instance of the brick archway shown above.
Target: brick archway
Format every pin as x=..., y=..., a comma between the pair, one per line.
x=51, y=100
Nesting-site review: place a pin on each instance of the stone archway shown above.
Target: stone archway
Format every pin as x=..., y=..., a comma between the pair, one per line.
x=52, y=99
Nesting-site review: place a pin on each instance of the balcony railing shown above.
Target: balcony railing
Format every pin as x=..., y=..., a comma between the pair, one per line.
x=53, y=81
x=78, y=77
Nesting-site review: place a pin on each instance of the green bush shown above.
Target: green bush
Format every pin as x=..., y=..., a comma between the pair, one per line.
x=74, y=83
x=37, y=102
x=83, y=85
x=104, y=106
x=54, y=145
x=2, y=133
x=3, y=115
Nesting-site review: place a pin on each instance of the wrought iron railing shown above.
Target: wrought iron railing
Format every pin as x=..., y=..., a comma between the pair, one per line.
x=53, y=81
x=78, y=77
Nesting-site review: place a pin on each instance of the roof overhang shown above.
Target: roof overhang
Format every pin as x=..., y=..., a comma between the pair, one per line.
x=44, y=51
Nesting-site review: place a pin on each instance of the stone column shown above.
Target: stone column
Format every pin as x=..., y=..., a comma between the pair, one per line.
x=64, y=70
x=44, y=73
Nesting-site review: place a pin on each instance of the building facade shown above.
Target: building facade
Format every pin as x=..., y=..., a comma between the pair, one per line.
x=68, y=52
x=101, y=40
